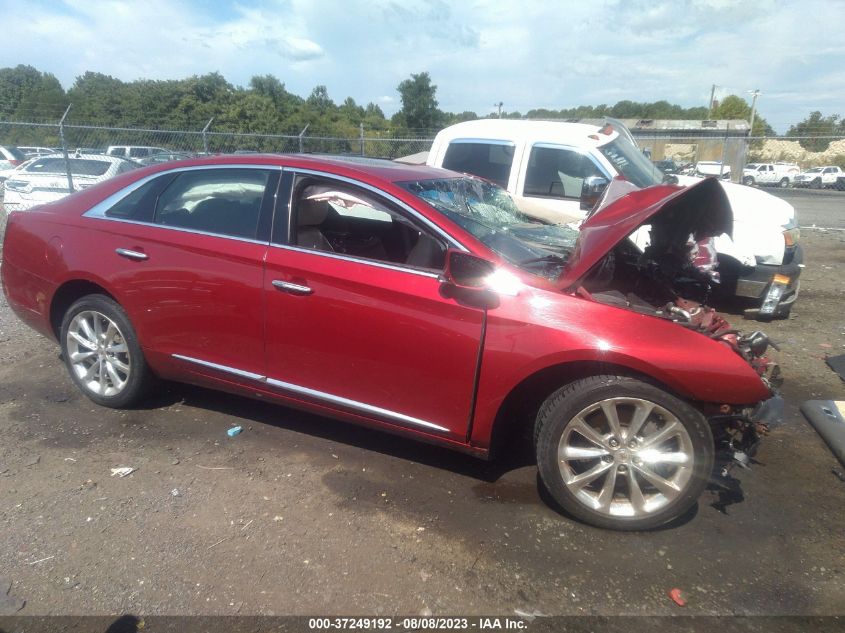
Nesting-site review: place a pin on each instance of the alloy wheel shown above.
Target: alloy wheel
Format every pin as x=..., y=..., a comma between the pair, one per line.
x=98, y=353
x=626, y=457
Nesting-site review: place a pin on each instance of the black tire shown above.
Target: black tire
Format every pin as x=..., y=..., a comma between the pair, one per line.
x=748, y=180
x=113, y=393
x=783, y=183
x=561, y=410
x=816, y=184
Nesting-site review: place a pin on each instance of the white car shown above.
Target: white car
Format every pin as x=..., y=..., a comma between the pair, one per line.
x=776, y=174
x=10, y=158
x=45, y=179
x=547, y=166
x=818, y=177
x=135, y=151
x=715, y=168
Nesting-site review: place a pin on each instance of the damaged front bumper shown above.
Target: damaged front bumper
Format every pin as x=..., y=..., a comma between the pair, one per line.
x=774, y=286
x=737, y=435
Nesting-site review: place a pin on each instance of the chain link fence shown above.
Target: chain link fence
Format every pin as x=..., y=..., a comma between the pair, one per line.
x=41, y=162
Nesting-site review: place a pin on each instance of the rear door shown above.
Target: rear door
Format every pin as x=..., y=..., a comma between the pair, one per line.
x=185, y=252
x=356, y=318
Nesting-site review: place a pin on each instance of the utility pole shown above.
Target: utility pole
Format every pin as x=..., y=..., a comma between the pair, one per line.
x=499, y=106
x=710, y=104
x=756, y=92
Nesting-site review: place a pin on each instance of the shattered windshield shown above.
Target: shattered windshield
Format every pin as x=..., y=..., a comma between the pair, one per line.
x=490, y=214
x=631, y=163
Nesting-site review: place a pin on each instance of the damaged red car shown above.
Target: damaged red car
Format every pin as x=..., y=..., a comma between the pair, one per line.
x=417, y=301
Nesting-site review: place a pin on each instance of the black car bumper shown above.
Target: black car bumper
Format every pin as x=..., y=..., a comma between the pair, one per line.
x=775, y=286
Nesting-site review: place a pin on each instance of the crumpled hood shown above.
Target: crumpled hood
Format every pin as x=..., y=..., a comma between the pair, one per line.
x=701, y=210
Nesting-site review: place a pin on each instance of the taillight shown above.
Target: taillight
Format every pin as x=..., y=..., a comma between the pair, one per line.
x=15, y=163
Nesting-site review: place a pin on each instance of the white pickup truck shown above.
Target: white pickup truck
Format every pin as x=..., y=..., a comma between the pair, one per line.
x=544, y=166
x=819, y=177
x=775, y=174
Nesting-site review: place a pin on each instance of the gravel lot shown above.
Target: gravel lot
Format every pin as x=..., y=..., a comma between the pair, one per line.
x=304, y=515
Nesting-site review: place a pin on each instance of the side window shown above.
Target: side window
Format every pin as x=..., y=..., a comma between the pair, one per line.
x=222, y=201
x=337, y=217
x=555, y=172
x=140, y=204
x=138, y=152
x=488, y=160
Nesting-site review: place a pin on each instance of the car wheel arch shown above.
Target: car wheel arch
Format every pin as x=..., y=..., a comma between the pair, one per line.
x=517, y=412
x=68, y=293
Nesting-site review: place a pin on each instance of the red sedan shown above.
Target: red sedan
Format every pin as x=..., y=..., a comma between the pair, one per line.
x=418, y=301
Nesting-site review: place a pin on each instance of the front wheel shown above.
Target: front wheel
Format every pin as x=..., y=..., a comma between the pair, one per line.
x=102, y=353
x=748, y=180
x=620, y=453
x=816, y=184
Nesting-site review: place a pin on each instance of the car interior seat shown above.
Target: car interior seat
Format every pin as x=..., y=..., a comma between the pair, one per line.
x=310, y=215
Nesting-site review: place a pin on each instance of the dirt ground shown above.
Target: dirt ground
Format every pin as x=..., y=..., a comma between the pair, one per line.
x=304, y=515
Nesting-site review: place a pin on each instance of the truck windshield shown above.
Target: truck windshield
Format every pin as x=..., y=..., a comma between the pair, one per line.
x=489, y=213
x=631, y=163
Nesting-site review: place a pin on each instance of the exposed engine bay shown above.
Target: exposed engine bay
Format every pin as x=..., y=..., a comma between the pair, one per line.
x=669, y=270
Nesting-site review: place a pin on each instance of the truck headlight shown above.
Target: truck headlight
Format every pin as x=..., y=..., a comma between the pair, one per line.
x=791, y=236
x=774, y=295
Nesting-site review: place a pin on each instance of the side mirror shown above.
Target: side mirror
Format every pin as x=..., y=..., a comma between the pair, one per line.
x=670, y=179
x=466, y=270
x=591, y=190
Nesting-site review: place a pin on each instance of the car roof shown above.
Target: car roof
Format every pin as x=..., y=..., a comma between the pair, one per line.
x=382, y=169
x=517, y=130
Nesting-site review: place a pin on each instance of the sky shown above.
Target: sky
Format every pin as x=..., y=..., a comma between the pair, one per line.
x=526, y=53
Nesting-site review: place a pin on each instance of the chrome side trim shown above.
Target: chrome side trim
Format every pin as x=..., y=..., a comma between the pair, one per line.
x=354, y=404
x=358, y=260
x=99, y=209
x=381, y=193
x=184, y=230
x=319, y=395
x=224, y=368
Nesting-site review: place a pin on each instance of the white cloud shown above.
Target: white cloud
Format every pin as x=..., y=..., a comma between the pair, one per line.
x=478, y=52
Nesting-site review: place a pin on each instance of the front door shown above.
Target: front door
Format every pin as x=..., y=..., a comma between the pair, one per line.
x=355, y=318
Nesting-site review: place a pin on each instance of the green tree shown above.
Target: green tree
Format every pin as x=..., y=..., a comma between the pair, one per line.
x=15, y=85
x=44, y=101
x=734, y=107
x=419, y=105
x=816, y=126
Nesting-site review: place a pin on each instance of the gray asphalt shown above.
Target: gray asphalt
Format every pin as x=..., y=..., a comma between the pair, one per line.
x=816, y=208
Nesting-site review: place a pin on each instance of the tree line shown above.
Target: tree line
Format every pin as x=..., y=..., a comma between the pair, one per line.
x=265, y=106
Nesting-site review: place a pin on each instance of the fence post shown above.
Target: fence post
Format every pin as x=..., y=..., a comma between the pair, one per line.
x=301, y=134
x=205, y=135
x=361, y=127
x=64, y=149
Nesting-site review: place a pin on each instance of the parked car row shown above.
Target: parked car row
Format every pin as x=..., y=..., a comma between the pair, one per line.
x=45, y=178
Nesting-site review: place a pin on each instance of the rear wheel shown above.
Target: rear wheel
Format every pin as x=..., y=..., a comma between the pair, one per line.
x=620, y=453
x=783, y=183
x=102, y=353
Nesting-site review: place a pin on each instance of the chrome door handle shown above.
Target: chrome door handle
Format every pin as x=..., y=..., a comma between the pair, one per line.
x=130, y=254
x=294, y=289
